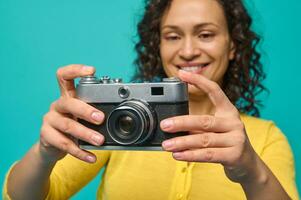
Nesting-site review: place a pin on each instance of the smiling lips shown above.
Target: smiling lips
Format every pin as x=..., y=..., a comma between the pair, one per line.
x=193, y=67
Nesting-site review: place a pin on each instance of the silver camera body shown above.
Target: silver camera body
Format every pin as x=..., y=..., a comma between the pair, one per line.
x=133, y=111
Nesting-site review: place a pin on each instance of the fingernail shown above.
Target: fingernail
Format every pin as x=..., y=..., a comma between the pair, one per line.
x=91, y=159
x=166, y=123
x=97, y=116
x=97, y=139
x=87, y=68
x=167, y=144
x=177, y=155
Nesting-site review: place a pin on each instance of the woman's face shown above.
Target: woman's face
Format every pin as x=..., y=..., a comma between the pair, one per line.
x=195, y=38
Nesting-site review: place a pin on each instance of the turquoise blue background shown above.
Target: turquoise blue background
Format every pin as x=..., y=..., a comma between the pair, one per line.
x=37, y=37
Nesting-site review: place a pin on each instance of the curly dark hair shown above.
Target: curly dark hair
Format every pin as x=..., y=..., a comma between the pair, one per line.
x=243, y=79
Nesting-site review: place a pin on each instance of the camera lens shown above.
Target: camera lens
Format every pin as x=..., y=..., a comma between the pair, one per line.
x=126, y=124
x=132, y=122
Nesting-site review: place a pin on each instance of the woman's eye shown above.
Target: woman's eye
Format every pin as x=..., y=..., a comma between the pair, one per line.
x=172, y=37
x=206, y=36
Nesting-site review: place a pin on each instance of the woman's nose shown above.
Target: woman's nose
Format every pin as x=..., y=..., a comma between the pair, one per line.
x=189, y=50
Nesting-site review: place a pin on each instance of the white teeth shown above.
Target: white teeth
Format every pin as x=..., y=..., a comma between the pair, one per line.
x=193, y=68
x=190, y=69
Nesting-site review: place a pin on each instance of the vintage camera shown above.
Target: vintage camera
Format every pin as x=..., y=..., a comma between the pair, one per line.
x=133, y=111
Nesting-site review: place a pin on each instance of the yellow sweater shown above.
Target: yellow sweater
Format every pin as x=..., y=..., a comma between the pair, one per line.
x=142, y=175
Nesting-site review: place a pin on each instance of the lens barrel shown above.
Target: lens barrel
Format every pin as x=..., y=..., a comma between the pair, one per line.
x=132, y=122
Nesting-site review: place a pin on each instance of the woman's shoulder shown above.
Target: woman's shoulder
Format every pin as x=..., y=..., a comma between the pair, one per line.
x=255, y=122
x=257, y=126
x=262, y=132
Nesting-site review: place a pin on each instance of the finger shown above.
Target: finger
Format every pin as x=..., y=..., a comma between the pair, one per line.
x=60, y=141
x=73, y=128
x=206, y=123
x=217, y=96
x=66, y=76
x=209, y=155
x=197, y=141
x=79, y=109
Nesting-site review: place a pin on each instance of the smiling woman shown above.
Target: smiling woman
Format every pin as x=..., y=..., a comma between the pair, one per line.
x=195, y=38
x=214, y=37
x=209, y=45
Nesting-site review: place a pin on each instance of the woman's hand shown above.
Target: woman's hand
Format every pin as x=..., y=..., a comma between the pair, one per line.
x=60, y=130
x=219, y=138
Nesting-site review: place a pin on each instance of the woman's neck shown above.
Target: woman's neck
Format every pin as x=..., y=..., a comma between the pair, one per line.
x=201, y=105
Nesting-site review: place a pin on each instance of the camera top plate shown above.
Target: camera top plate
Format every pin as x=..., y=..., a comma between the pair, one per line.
x=106, y=90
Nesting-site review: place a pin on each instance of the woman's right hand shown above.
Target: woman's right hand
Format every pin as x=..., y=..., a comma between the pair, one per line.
x=60, y=129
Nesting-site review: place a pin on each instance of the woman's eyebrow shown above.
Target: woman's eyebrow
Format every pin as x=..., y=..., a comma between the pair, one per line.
x=195, y=27
x=174, y=27
x=202, y=25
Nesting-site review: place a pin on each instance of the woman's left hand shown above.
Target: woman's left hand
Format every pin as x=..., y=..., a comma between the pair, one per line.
x=219, y=138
